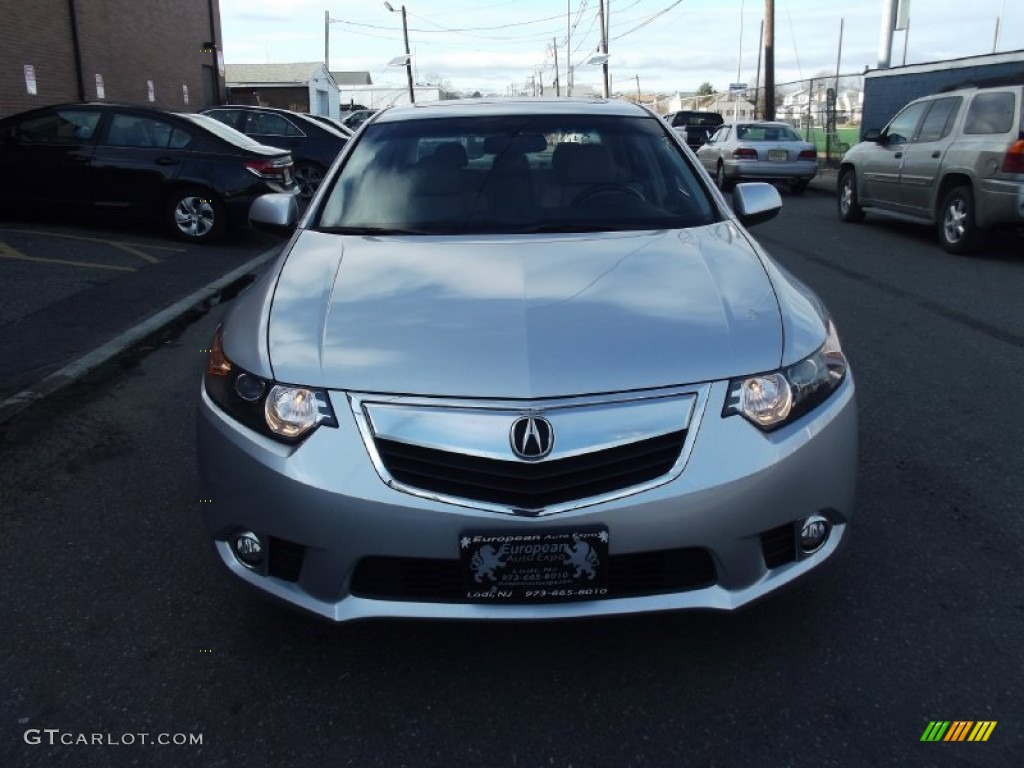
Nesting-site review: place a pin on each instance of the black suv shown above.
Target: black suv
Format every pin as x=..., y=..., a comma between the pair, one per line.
x=695, y=127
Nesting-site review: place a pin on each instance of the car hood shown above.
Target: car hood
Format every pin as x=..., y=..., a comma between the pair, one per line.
x=522, y=317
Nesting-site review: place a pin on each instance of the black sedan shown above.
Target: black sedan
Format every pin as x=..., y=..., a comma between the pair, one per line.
x=313, y=144
x=189, y=171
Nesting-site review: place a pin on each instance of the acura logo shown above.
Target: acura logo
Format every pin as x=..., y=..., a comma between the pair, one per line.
x=532, y=437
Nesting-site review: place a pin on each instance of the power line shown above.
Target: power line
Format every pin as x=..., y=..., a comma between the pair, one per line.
x=643, y=24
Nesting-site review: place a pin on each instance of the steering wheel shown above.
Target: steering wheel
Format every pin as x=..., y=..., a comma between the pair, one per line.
x=607, y=189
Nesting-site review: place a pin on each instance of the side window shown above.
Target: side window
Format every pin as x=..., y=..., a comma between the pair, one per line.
x=62, y=126
x=939, y=120
x=901, y=129
x=226, y=116
x=137, y=131
x=269, y=124
x=990, y=113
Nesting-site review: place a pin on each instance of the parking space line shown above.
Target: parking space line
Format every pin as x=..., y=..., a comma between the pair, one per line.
x=131, y=248
x=7, y=252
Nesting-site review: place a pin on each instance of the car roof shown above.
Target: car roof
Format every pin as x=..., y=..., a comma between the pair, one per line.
x=510, y=107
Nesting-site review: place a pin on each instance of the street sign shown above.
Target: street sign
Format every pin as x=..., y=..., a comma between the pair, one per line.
x=733, y=87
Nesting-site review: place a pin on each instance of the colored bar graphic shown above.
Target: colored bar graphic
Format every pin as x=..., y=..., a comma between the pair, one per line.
x=935, y=730
x=958, y=730
x=982, y=730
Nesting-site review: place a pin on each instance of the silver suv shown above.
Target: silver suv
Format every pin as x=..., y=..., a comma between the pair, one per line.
x=953, y=159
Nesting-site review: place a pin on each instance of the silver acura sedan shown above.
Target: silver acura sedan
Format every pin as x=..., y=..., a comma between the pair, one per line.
x=520, y=360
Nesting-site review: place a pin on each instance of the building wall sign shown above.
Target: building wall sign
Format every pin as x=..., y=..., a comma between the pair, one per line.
x=30, y=80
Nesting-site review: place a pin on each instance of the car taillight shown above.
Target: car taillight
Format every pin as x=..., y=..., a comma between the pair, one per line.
x=744, y=152
x=1014, y=160
x=809, y=154
x=270, y=168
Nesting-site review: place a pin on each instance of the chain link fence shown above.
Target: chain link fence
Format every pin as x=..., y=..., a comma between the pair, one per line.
x=825, y=109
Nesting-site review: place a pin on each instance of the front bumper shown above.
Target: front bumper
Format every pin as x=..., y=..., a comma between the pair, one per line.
x=331, y=512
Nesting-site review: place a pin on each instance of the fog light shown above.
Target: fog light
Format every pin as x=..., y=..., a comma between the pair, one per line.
x=814, y=534
x=248, y=549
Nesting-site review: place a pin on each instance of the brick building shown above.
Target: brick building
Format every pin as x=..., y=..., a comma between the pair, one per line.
x=137, y=51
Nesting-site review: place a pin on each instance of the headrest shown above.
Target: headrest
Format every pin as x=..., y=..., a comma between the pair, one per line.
x=584, y=163
x=452, y=154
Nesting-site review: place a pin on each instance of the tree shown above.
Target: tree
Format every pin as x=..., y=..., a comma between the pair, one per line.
x=706, y=89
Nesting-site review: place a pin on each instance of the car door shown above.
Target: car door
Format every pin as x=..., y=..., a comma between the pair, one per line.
x=135, y=160
x=45, y=157
x=883, y=161
x=922, y=157
x=709, y=152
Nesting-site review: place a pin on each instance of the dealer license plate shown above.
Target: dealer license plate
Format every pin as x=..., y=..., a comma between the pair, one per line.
x=535, y=567
x=777, y=154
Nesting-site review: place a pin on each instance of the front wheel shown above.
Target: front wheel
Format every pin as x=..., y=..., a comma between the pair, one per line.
x=849, y=206
x=195, y=215
x=957, y=231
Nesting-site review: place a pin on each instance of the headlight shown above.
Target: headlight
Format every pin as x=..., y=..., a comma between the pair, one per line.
x=282, y=412
x=770, y=400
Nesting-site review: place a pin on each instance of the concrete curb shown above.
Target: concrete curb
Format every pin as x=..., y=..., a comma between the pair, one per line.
x=69, y=374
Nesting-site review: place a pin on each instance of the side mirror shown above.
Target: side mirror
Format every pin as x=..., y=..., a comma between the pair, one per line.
x=755, y=203
x=276, y=213
x=872, y=134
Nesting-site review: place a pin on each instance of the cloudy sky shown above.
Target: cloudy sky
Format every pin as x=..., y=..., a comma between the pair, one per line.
x=671, y=45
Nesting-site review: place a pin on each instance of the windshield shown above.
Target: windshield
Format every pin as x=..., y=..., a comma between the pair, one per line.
x=767, y=133
x=551, y=173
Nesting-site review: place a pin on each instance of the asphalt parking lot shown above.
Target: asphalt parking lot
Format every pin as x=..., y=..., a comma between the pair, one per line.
x=75, y=294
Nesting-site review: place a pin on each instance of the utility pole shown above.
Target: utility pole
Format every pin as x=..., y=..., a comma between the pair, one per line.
x=408, y=60
x=769, y=59
x=603, y=20
x=568, y=47
x=999, y=18
x=558, y=85
x=327, y=40
x=638, y=89
x=757, y=82
x=889, y=8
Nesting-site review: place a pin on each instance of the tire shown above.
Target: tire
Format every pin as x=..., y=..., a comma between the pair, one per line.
x=193, y=214
x=799, y=186
x=723, y=183
x=957, y=231
x=849, y=207
x=308, y=177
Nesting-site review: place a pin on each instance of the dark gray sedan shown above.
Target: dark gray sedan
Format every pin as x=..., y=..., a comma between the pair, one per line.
x=759, y=151
x=519, y=361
